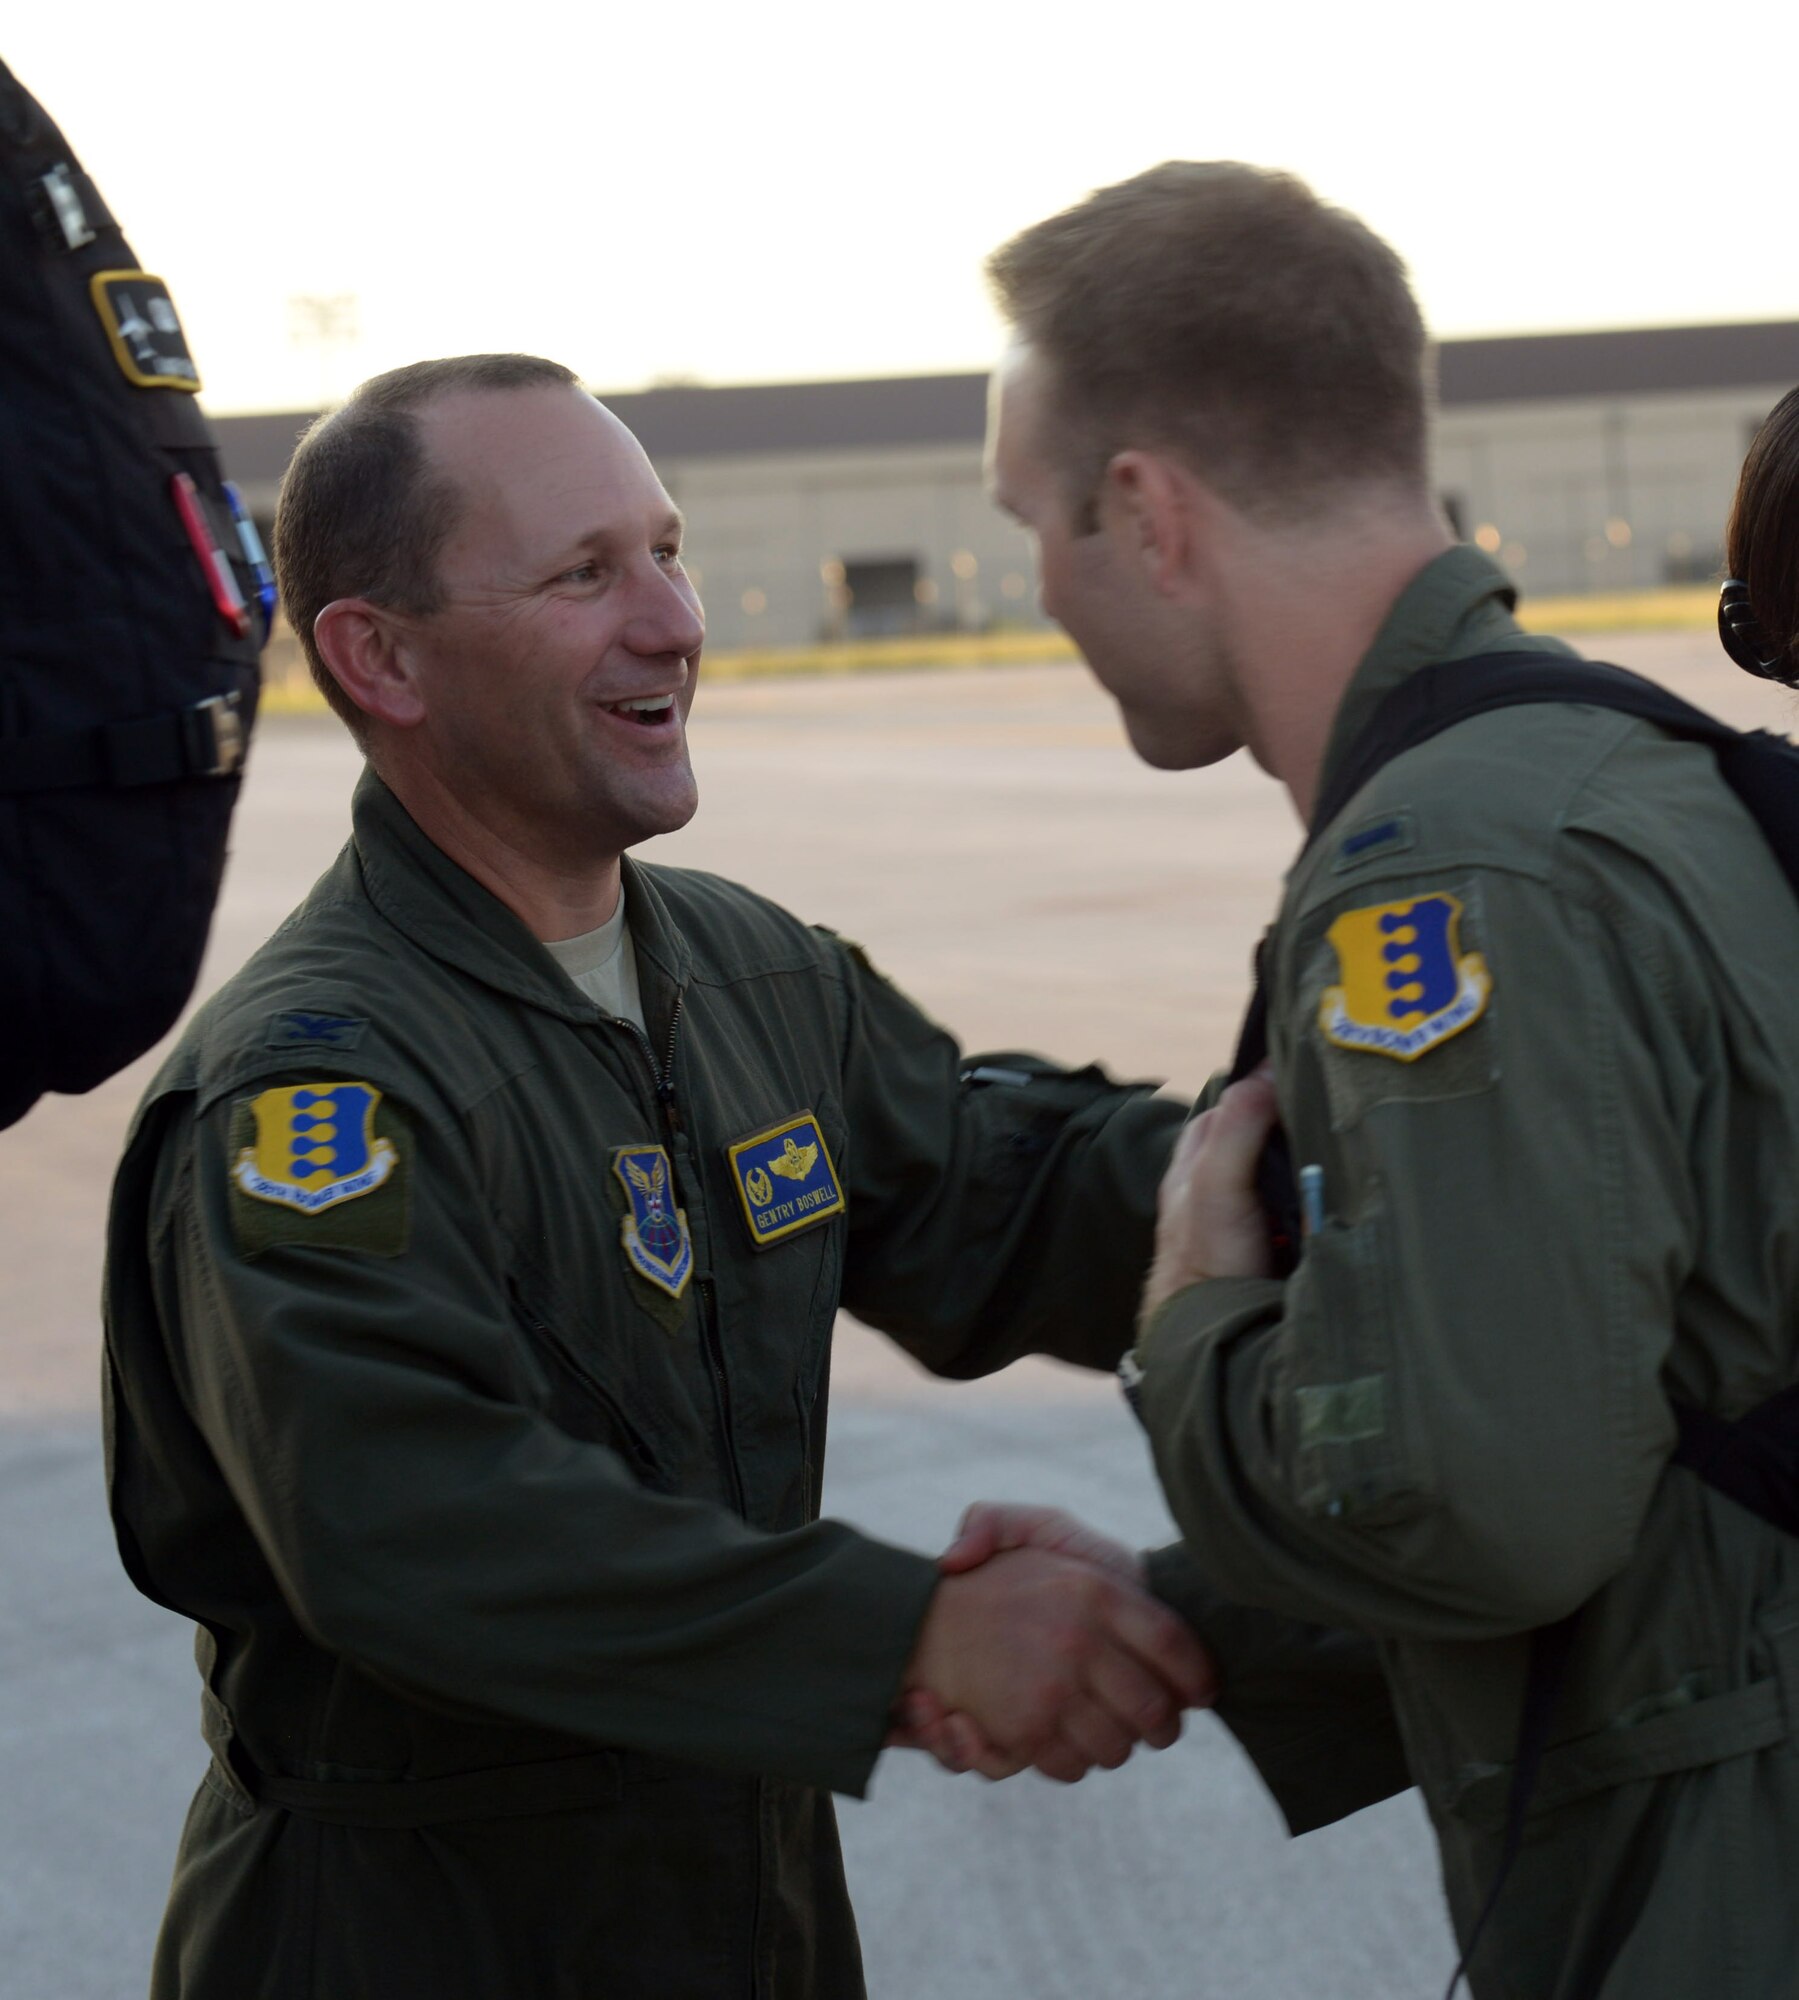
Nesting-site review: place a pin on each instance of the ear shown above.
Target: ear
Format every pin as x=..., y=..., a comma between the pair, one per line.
x=1149, y=500
x=367, y=652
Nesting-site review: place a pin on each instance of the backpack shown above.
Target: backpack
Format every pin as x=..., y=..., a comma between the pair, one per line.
x=134, y=599
x=1754, y=1460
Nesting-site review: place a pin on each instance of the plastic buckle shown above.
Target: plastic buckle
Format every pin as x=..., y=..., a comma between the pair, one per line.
x=221, y=736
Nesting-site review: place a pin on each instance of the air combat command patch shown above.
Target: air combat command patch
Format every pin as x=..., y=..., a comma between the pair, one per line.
x=1404, y=985
x=654, y=1234
x=785, y=1180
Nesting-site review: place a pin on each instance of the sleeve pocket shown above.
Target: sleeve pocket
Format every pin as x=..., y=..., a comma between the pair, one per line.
x=1344, y=1415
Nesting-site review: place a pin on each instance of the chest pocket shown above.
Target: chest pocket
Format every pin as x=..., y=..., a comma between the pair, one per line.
x=593, y=1355
x=778, y=1274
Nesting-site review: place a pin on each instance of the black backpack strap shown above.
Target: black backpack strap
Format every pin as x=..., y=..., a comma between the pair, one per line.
x=206, y=740
x=1550, y=1646
x=1437, y=698
x=1753, y=1461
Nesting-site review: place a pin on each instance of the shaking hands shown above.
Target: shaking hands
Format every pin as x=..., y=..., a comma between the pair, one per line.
x=1042, y=1648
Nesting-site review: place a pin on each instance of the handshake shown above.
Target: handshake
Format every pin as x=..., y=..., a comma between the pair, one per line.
x=1042, y=1647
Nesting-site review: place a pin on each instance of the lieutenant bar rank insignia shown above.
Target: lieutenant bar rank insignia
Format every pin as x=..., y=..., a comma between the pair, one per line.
x=315, y=1146
x=1406, y=987
x=785, y=1180
x=655, y=1237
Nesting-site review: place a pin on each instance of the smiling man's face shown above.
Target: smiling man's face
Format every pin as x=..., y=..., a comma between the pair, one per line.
x=558, y=672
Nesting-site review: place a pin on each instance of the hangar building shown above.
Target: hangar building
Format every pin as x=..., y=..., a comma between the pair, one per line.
x=831, y=510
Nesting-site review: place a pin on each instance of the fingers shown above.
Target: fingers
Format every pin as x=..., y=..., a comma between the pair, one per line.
x=986, y=1528
x=953, y=1739
x=1209, y=1220
x=989, y=1528
x=1164, y=1646
x=1094, y=1734
x=1135, y=1699
x=1239, y=1125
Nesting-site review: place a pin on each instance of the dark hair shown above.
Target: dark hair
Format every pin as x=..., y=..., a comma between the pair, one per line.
x=363, y=514
x=1225, y=310
x=1761, y=543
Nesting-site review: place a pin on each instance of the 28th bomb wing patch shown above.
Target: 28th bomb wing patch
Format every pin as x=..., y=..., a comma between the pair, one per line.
x=308, y=1165
x=315, y=1146
x=1404, y=985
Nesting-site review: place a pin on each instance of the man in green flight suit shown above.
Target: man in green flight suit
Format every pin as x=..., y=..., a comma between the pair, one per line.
x=1530, y=1018
x=472, y=1272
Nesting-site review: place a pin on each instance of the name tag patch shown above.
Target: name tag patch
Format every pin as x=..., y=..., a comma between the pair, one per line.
x=1405, y=986
x=785, y=1180
x=654, y=1236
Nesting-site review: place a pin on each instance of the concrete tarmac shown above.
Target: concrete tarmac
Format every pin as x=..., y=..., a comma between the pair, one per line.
x=990, y=839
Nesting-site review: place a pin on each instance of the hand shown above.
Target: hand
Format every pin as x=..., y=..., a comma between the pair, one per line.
x=1051, y=1662
x=989, y=1528
x=1209, y=1220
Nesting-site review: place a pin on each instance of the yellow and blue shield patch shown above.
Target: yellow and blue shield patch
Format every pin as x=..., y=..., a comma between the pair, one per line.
x=315, y=1147
x=785, y=1180
x=1405, y=986
x=654, y=1234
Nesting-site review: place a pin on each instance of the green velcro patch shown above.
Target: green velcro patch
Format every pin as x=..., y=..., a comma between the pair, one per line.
x=295, y=1029
x=325, y=1164
x=1342, y=1412
x=1374, y=840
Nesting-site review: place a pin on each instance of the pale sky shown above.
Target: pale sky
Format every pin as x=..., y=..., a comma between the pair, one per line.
x=784, y=191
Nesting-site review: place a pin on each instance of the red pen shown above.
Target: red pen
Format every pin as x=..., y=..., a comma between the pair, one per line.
x=226, y=597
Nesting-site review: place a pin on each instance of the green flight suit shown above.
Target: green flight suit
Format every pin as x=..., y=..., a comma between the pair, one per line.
x=1557, y=1189
x=528, y=1664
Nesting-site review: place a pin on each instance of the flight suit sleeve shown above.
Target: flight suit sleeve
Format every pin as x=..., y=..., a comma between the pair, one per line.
x=998, y=1205
x=360, y=1380
x=1448, y=1423
x=1309, y=1704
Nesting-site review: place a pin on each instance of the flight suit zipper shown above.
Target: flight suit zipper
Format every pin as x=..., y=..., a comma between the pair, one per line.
x=662, y=1085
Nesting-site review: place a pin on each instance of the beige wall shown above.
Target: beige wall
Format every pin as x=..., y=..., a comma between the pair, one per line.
x=1554, y=479
x=771, y=525
x=1657, y=471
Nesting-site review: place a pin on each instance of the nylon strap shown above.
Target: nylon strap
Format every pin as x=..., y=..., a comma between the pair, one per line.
x=204, y=741
x=507, y=1791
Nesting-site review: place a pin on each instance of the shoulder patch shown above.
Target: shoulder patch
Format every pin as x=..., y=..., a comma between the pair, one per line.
x=785, y=1179
x=303, y=1155
x=1403, y=986
x=144, y=330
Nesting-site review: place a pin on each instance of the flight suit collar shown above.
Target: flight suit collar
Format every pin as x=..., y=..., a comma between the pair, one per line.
x=1459, y=604
x=445, y=911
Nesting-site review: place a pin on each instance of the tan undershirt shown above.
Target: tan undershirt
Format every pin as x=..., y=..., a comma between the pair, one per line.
x=603, y=964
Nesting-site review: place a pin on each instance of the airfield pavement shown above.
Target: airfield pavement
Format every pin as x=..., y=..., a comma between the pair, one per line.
x=987, y=835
